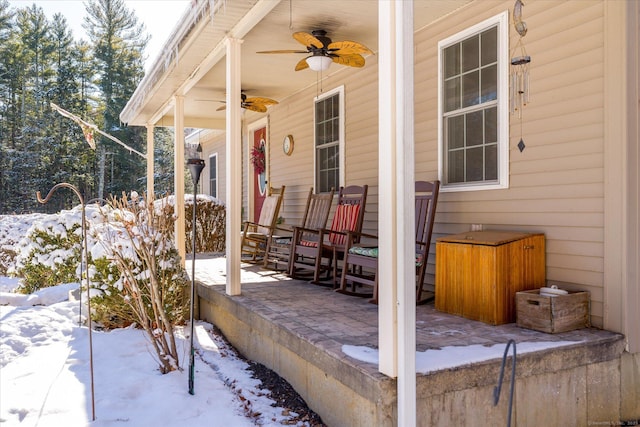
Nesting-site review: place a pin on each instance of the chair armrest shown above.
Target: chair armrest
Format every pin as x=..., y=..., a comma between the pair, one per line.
x=255, y=225
x=361, y=235
x=353, y=239
x=305, y=230
x=299, y=231
x=287, y=228
x=248, y=224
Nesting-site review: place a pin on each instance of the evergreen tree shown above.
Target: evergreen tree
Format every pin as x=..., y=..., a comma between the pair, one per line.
x=74, y=161
x=118, y=41
x=6, y=18
x=40, y=63
x=163, y=168
x=29, y=155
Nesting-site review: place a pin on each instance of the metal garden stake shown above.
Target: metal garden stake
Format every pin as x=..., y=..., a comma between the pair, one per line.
x=85, y=262
x=195, y=167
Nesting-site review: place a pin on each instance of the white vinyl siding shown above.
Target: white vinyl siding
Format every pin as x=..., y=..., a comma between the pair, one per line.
x=556, y=185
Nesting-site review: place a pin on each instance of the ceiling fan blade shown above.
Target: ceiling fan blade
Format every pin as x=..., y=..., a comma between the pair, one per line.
x=348, y=47
x=308, y=39
x=302, y=65
x=261, y=100
x=255, y=107
x=283, y=51
x=224, y=107
x=353, y=60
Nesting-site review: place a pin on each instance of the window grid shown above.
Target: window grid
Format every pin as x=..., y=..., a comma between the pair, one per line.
x=470, y=108
x=327, y=143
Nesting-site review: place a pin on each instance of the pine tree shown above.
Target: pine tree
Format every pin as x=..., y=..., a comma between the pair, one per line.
x=40, y=63
x=118, y=41
x=74, y=160
x=6, y=18
x=28, y=154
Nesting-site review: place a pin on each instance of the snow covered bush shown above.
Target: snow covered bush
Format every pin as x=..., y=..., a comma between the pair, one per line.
x=135, y=272
x=48, y=254
x=143, y=281
x=12, y=229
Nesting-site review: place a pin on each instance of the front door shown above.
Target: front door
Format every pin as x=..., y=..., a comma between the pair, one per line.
x=258, y=160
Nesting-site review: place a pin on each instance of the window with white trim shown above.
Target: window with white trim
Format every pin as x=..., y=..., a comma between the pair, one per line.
x=329, y=140
x=213, y=175
x=473, y=107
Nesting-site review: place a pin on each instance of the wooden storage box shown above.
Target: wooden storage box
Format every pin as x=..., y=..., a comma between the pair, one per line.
x=560, y=313
x=478, y=273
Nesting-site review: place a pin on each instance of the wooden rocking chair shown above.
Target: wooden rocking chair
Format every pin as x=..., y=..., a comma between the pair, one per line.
x=361, y=261
x=315, y=217
x=256, y=234
x=310, y=247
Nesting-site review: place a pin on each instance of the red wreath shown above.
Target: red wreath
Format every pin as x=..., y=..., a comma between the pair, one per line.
x=258, y=159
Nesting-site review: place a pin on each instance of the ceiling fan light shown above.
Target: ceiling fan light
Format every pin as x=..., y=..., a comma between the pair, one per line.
x=319, y=62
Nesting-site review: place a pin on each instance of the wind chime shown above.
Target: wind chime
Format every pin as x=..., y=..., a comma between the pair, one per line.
x=519, y=77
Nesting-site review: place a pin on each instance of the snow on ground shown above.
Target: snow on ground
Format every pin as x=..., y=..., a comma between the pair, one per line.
x=45, y=365
x=45, y=373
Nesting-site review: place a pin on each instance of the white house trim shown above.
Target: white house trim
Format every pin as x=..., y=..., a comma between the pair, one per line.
x=150, y=160
x=396, y=215
x=502, y=21
x=233, y=165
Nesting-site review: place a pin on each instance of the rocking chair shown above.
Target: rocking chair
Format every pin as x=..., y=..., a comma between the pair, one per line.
x=361, y=261
x=315, y=217
x=256, y=234
x=310, y=247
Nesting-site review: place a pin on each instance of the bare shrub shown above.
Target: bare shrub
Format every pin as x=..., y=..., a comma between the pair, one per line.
x=144, y=282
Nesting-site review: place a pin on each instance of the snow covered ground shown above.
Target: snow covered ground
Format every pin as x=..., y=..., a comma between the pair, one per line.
x=45, y=368
x=45, y=375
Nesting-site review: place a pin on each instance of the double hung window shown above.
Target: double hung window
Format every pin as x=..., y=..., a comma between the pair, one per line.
x=329, y=140
x=473, y=125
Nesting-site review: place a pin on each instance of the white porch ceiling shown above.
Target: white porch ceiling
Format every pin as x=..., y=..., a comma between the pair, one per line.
x=196, y=50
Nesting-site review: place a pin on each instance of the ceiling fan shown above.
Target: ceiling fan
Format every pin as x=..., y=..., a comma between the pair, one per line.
x=323, y=51
x=256, y=103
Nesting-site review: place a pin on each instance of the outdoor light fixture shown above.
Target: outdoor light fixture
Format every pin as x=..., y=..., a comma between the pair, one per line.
x=319, y=62
x=196, y=165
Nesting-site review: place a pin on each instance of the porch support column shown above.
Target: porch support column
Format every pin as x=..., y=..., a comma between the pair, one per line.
x=150, y=160
x=621, y=209
x=234, y=166
x=178, y=175
x=396, y=217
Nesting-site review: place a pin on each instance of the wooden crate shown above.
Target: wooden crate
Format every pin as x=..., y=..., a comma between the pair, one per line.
x=478, y=273
x=560, y=313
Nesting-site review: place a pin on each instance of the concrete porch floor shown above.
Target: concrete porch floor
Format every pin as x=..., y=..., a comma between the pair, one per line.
x=299, y=329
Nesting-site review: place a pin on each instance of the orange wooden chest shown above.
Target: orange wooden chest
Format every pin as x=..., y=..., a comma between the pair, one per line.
x=479, y=272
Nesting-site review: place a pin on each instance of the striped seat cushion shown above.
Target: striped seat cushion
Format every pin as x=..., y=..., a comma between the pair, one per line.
x=345, y=219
